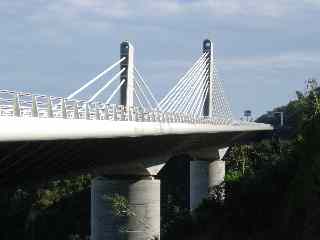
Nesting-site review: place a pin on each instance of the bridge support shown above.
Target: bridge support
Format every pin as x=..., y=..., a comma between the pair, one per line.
x=138, y=208
x=206, y=174
x=216, y=177
x=198, y=182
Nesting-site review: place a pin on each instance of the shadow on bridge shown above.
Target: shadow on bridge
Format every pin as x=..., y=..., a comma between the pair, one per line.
x=37, y=161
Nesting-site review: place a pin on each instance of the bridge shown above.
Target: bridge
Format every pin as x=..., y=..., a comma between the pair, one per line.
x=124, y=144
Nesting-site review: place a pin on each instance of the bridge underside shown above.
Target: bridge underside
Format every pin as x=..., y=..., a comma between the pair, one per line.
x=36, y=161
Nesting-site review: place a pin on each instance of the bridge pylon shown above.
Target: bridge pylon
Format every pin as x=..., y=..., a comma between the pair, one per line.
x=126, y=91
x=207, y=47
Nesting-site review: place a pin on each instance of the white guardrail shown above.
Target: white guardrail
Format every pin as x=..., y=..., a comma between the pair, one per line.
x=22, y=104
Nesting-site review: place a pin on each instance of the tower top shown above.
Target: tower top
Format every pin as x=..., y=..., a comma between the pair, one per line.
x=207, y=45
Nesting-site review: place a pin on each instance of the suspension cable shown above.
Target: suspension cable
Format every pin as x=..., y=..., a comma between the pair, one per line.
x=138, y=98
x=183, y=87
x=182, y=98
x=199, y=98
x=105, y=86
x=202, y=102
x=180, y=106
x=183, y=77
x=143, y=94
x=114, y=92
x=94, y=79
x=187, y=79
x=146, y=86
x=178, y=91
x=197, y=92
x=187, y=100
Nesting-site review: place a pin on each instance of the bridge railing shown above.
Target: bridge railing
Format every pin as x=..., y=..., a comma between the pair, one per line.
x=26, y=105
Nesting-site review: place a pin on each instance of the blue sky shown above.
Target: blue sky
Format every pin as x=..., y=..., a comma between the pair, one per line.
x=265, y=49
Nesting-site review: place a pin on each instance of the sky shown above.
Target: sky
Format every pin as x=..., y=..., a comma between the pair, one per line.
x=265, y=50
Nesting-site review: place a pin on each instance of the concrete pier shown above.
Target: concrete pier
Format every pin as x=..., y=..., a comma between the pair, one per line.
x=142, y=221
x=198, y=182
x=207, y=172
x=216, y=173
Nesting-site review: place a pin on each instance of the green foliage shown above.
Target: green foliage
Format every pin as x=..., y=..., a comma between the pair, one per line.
x=120, y=205
x=233, y=176
x=59, y=207
x=316, y=103
x=272, y=187
x=304, y=195
x=296, y=112
x=57, y=190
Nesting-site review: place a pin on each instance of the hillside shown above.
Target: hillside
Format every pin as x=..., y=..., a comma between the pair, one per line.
x=272, y=187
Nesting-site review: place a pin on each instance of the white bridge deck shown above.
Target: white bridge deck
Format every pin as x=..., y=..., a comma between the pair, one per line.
x=27, y=117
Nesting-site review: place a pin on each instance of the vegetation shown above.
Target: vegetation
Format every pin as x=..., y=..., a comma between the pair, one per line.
x=31, y=212
x=272, y=187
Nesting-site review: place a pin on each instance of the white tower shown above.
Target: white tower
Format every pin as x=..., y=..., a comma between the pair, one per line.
x=208, y=48
x=126, y=91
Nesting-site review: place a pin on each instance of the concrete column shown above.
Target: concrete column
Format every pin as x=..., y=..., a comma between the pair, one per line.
x=143, y=196
x=216, y=175
x=206, y=173
x=198, y=182
x=217, y=171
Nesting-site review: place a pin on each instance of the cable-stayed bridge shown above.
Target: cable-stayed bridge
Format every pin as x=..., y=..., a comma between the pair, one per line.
x=127, y=141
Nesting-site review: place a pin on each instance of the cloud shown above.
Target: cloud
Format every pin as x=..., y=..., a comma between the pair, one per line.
x=82, y=13
x=153, y=10
x=314, y=3
x=147, y=8
x=294, y=60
